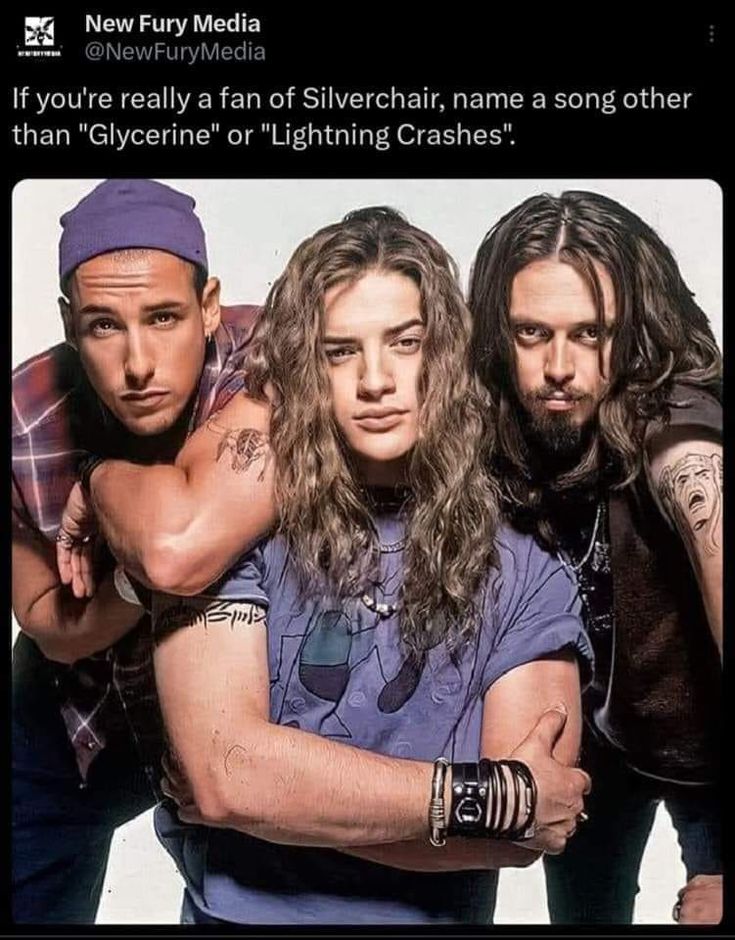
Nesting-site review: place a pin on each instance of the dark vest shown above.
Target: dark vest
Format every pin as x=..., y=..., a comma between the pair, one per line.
x=664, y=703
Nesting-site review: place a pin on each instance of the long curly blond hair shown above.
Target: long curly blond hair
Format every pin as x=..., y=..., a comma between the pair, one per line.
x=452, y=510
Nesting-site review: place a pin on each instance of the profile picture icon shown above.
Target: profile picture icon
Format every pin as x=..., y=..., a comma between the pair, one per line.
x=39, y=31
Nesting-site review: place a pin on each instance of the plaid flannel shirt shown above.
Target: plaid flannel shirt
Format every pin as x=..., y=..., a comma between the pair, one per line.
x=56, y=421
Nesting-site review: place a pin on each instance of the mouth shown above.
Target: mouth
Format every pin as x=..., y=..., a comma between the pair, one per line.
x=559, y=402
x=696, y=500
x=150, y=398
x=379, y=419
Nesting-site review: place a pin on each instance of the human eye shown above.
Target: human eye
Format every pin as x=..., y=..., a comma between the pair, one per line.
x=589, y=334
x=407, y=344
x=529, y=333
x=164, y=318
x=104, y=326
x=339, y=353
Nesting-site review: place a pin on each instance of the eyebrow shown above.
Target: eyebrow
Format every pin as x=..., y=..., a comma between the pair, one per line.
x=523, y=320
x=389, y=333
x=93, y=309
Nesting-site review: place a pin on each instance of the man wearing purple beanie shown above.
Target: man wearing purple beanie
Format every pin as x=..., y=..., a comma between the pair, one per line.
x=149, y=357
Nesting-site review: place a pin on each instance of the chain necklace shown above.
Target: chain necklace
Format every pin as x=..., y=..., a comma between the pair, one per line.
x=576, y=568
x=391, y=500
x=382, y=610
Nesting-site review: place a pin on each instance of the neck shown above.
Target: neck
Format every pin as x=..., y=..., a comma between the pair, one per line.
x=387, y=498
x=388, y=474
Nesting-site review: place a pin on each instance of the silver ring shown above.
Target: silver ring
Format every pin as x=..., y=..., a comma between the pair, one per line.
x=63, y=538
x=676, y=912
x=582, y=817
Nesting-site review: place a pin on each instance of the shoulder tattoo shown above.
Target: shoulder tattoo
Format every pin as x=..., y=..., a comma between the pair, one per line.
x=245, y=447
x=174, y=613
x=691, y=492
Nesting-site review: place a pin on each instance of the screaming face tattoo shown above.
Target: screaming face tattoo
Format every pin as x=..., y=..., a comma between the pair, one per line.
x=691, y=491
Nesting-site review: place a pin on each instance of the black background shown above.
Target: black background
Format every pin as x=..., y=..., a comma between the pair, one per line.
x=362, y=47
x=451, y=46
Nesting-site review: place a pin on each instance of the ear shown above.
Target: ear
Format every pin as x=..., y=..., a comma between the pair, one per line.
x=68, y=321
x=211, y=313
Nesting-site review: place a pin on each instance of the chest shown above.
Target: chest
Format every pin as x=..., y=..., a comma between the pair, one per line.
x=339, y=669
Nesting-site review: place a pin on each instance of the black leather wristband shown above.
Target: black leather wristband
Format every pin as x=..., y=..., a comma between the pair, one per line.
x=493, y=822
x=468, y=813
x=523, y=773
x=492, y=800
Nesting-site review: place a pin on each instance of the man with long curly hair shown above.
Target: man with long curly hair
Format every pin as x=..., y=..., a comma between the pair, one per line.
x=408, y=634
x=606, y=377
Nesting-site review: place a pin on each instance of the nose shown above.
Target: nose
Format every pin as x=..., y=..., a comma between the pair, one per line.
x=376, y=377
x=559, y=363
x=139, y=365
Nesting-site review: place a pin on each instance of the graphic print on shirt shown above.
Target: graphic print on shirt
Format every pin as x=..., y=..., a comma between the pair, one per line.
x=315, y=667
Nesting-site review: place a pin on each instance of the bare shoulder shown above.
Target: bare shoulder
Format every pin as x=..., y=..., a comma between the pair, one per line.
x=239, y=411
x=242, y=432
x=237, y=436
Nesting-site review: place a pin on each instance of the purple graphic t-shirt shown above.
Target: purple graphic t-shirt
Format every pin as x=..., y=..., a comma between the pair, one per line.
x=338, y=669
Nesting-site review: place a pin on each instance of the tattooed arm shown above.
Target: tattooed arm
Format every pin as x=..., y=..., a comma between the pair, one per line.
x=295, y=787
x=271, y=781
x=179, y=527
x=687, y=474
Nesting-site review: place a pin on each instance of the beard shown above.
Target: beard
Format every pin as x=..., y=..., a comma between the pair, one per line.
x=555, y=435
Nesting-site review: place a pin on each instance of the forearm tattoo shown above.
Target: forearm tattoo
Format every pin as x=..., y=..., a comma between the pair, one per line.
x=691, y=492
x=245, y=446
x=173, y=613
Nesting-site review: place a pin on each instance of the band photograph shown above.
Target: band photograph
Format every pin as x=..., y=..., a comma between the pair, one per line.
x=366, y=551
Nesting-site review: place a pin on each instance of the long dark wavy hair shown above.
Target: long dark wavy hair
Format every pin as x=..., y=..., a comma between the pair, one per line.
x=452, y=510
x=660, y=337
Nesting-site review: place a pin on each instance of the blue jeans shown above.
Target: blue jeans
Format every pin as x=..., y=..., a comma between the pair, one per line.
x=595, y=880
x=62, y=828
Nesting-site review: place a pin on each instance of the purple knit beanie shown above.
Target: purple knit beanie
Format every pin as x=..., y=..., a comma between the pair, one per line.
x=130, y=214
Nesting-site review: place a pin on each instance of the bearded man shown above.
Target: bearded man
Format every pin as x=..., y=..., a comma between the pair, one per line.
x=608, y=447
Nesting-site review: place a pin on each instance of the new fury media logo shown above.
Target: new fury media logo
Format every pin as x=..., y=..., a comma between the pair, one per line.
x=39, y=38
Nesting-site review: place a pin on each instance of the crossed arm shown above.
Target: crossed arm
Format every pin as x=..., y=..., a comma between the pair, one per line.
x=178, y=527
x=64, y=627
x=687, y=473
x=512, y=708
x=290, y=786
